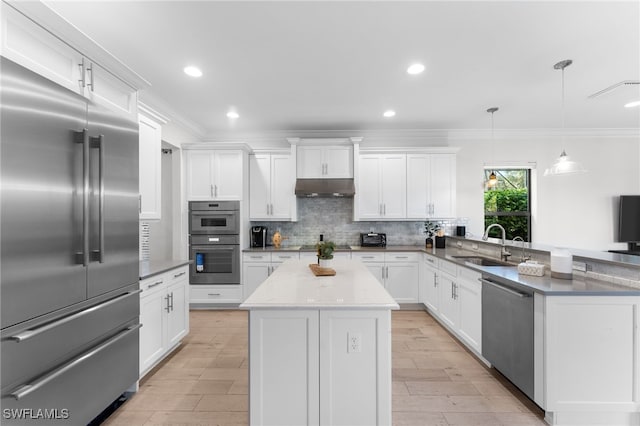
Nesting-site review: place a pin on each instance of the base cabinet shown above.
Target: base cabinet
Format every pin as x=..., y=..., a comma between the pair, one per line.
x=303, y=370
x=453, y=294
x=164, y=315
x=398, y=272
x=256, y=268
x=592, y=362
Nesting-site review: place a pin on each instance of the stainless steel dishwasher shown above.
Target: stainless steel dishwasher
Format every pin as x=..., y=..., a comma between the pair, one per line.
x=507, y=332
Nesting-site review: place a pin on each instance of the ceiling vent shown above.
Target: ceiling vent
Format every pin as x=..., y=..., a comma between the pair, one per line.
x=614, y=87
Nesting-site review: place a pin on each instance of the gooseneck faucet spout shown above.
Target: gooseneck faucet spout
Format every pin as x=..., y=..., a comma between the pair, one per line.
x=503, y=252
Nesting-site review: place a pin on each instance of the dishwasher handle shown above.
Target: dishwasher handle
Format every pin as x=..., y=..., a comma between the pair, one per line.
x=505, y=289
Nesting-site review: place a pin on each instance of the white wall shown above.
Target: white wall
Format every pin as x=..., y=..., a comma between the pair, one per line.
x=577, y=211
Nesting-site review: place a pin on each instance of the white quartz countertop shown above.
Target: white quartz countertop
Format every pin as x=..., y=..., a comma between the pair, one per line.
x=294, y=286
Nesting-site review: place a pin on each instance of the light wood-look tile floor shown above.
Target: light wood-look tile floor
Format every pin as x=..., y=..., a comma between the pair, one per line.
x=435, y=380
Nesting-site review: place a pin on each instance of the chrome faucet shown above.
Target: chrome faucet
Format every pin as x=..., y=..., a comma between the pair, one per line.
x=524, y=256
x=503, y=252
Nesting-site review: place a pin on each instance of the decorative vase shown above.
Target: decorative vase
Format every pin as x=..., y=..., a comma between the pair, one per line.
x=325, y=263
x=429, y=242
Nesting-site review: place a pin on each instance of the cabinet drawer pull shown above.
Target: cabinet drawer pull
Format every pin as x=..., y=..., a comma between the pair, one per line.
x=179, y=275
x=401, y=257
x=367, y=257
x=214, y=294
x=256, y=257
x=157, y=283
x=430, y=260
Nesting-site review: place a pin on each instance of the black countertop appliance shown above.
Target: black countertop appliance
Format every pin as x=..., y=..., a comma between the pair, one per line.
x=372, y=239
x=258, y=236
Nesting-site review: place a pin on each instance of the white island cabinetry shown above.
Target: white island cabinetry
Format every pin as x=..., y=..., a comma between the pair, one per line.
x=320, y=347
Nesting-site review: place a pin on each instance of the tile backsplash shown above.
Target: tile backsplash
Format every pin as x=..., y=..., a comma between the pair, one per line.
x=333, y=217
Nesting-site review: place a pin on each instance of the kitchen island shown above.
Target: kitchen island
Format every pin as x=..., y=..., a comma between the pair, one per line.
x=320, y=347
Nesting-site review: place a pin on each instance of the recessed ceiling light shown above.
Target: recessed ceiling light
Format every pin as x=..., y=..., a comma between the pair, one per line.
x=233, y=115
x=389, y=113
x=415, y=69
x=632, y=104
x=192, y=71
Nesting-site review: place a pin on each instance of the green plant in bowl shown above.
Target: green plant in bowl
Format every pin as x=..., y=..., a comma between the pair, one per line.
x=325, y=249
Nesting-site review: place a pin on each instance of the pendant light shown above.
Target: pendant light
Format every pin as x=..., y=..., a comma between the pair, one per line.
x=493, y=179
x=564, y=165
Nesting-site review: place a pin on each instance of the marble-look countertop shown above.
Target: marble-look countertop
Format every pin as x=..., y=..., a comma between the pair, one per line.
x=294, y=286
x=149, y=268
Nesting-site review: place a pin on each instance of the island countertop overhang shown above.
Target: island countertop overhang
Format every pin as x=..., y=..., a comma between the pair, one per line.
x=294, y=286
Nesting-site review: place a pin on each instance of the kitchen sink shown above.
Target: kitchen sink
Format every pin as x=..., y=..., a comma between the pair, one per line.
x=482, y=261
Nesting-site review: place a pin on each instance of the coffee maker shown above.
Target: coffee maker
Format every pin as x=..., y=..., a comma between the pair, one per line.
x=258, y=236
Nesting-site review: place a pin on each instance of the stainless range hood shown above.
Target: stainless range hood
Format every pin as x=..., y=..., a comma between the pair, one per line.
x=325, y=188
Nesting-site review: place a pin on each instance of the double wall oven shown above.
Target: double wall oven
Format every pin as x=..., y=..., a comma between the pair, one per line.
x=214, y=242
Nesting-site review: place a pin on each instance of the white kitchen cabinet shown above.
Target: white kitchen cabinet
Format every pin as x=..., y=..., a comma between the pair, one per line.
x=214, y=295
x=163, y=315
x=35, y=48
x=150, y=171
x=429, y=293
x=214, y=174
x=398, y=272
x=448, y=297
x=324, y=162
x=31, y=46
x=302, y=373
x=431, y=186
x=257, y=266
x=381, y=191
x=453, y=295
x=271, y=187
x=591, y=359
x=469, y=290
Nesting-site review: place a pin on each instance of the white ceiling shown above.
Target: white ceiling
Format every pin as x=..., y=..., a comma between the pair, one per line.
x=333, y=65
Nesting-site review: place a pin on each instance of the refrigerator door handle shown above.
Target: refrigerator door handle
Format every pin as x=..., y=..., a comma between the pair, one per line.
x=98, y=143
x=27, y=389
x=82, y=137
x=28, y=334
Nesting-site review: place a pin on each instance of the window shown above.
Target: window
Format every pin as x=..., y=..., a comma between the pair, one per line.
x=509, y=203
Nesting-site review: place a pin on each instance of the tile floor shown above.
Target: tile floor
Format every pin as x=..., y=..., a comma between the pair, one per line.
x=435, y=380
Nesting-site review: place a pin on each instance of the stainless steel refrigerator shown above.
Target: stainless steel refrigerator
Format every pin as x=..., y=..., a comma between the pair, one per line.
x=69, y=252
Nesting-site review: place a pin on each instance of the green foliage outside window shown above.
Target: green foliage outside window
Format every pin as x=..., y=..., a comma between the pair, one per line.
x=508, y=205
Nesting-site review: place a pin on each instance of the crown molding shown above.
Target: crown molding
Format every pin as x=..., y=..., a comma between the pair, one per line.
x=152, y=113
x=161, y=107
x=218, y=145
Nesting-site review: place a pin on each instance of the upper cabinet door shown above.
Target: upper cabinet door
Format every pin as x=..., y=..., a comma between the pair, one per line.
x=214, y=175
x=282, y=186
x=394, y=186
x=227, y=174
x=418, y=178
x=31, y=46
x=106, y=89
x=325, y=162
x=310, y=162
x=199, y=177
x=431, y=186
x=368, y=192
x=259, y=186
x=443, y=185
x=339, y=162
x=150, y=137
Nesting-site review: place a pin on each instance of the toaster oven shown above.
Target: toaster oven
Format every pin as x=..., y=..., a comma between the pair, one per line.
x=373, y=240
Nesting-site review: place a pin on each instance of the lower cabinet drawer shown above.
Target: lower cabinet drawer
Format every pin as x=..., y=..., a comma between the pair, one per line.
x=368, y=256
x=215, y=294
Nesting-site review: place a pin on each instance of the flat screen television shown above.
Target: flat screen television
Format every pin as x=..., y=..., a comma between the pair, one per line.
x=629, y=219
